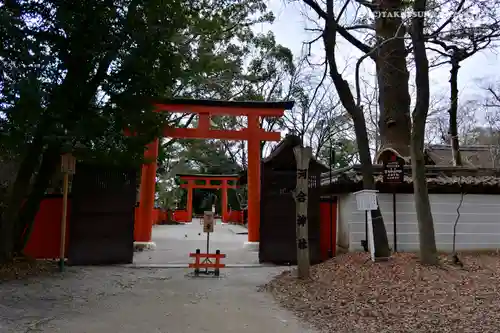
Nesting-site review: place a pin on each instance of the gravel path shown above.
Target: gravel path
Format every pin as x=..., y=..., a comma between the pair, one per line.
x=125, y=300
x=174, y=242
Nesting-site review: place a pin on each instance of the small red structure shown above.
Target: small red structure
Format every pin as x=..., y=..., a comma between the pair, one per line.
x=181, y=216
x=328, y=227
x=45, y=237
x=191, y=181
x=206, y=262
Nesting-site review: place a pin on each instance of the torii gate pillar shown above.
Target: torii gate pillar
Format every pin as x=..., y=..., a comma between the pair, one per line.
x=143, y=226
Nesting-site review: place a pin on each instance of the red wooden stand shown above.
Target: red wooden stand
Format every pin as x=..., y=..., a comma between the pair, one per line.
x=206, y=263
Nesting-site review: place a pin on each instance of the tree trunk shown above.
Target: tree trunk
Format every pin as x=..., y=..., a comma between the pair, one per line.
x=455, y=148
x=392, y=76
x=26, y=218
x=347, y=99
x=428, y=251
x=17, y=195
x=380, y=239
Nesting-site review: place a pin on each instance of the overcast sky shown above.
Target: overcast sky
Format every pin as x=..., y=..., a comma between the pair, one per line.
x=289, y=31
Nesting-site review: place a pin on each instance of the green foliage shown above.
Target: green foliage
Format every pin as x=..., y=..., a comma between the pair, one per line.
x=256, y=68
x=345, y=154
x=75, y=74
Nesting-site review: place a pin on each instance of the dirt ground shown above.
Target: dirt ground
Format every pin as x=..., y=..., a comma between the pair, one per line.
x=351, y=294
x=149, y=300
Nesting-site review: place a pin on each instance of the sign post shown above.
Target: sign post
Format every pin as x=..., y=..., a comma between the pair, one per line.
x=68, y=165
x=208, y=226
x=332, y=161
x=206, y=263
x=394, y=174
x=366, y=200
x=302, y=157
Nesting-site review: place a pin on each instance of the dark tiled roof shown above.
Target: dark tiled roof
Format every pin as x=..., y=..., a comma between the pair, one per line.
x=472, y=155
x=479, y=169
x=290, y=141
x=285, y=105
x=436, y=175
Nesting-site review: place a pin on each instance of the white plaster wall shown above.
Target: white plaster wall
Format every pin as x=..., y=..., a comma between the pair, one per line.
x=477, y=228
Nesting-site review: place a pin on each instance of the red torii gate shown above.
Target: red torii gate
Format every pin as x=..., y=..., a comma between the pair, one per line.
x=253, y=133
x=190, y=185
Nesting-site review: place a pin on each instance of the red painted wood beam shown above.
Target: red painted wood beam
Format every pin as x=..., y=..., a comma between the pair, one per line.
x=208, y=178
x=195, y=133
x=215, y=187
x=219, y=111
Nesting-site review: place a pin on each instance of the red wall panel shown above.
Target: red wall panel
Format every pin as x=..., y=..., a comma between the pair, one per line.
x=181, y=216
x=45, y=237
x=328, y=227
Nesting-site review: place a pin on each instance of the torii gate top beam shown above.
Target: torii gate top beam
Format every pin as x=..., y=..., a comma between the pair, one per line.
x=218, y=108
x=207, y=108
x=189, y=181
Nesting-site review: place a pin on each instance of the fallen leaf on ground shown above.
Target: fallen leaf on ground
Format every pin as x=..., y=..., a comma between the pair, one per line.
x=352, y=294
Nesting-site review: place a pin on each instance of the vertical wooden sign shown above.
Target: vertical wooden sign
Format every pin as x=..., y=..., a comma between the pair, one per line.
x=302, y=158
x=208, y=222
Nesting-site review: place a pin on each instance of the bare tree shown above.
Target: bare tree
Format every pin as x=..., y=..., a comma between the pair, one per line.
x=489, y=133
x=438, y=123
x=466, y=36
x=329, y=36
x=428, y=250
x=493, y=98
x=318, y=119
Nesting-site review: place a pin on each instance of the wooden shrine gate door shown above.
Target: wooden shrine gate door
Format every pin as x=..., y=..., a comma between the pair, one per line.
x=278, y=220
x=101, y=229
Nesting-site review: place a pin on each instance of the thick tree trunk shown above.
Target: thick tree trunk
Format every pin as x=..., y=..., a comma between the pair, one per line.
x=428, y=251
x=347, y=99
x=17, y=195
x=392, y=77
x=26, y=218
x=455, y=147
x=427, y=240
x=381, y=241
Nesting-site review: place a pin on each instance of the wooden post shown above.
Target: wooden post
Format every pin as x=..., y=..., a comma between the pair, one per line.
x=68, y=163
x=62, y=249
x=302, y=158
x=189, y=201
x=224, y=200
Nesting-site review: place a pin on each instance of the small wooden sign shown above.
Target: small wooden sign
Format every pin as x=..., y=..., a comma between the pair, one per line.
x=393, y=169
x=208, y=222
x=68, y=164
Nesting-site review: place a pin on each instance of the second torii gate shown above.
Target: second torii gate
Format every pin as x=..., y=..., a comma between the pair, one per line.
x=253, y=133
x=188, y=181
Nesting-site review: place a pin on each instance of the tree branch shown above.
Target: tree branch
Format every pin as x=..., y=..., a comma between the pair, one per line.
x=341, y=30
x=448, y=21
x=360, y=26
